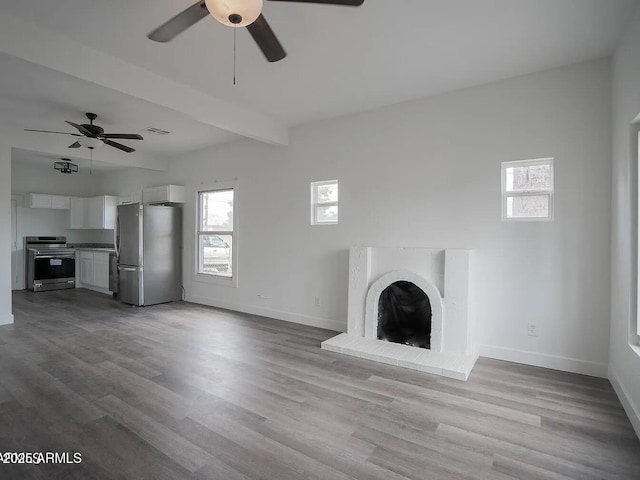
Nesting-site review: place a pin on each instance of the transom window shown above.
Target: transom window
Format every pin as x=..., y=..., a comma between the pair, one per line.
x=527, y=190
x=215, y=233
x=324, y=202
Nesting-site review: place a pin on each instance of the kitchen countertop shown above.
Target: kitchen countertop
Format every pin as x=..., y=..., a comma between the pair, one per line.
x=95, y=249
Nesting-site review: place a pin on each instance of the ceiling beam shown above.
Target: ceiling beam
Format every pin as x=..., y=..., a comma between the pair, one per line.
x=37, y=45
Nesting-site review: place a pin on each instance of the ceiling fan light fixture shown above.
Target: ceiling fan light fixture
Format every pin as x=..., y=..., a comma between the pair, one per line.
x=235, y=13
x=90, y=143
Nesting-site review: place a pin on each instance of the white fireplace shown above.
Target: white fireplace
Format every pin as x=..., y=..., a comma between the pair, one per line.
x=444, y=276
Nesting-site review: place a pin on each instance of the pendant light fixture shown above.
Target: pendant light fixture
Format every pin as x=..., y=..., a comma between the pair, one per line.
x=65, y=166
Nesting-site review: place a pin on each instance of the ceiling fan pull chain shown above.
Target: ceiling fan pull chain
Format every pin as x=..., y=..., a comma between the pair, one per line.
x=235, y=34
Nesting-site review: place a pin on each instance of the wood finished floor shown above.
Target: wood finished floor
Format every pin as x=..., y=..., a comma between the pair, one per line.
x=182, y=391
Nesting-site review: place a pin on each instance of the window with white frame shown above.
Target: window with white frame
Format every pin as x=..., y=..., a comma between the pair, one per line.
x=637, y=232
x=527, y=189
x=324, y=202
x=215, y=233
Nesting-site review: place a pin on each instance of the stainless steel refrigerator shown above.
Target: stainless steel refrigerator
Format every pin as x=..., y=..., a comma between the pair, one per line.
x=149, y=249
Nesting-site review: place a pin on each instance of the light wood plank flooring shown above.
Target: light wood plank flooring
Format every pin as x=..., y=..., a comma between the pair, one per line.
x=181, y=391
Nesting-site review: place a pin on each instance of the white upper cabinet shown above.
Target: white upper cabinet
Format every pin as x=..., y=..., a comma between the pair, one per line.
x=135, y=197
x=78, y=217
x=164, y=194
x=41, y=200
x=97, y=213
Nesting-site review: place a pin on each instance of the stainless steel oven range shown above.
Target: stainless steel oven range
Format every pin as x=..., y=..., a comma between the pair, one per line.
x=50, y=264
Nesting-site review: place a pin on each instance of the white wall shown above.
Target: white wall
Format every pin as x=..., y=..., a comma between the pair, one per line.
x=427, y=173
x=6, y=315
x=625, y=359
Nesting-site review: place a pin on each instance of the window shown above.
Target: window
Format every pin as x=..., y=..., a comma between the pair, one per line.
x=637, y=232
x=324, y=202
x=527, y=190
x=215, y=233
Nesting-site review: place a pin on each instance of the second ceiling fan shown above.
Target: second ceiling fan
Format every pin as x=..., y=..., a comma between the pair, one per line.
x=236, y=13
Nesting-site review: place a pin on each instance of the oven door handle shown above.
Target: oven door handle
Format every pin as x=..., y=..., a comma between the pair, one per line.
x=54, y=256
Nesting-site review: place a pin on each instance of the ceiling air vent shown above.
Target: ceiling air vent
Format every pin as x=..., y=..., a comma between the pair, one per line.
x=156, y=131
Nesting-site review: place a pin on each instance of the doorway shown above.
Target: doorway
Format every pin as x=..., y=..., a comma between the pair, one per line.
x=16, y=250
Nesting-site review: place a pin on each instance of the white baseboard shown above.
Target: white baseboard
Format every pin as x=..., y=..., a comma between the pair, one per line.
x=268, y=312
x=554, y=362
x=629, y=405
x=6, y=319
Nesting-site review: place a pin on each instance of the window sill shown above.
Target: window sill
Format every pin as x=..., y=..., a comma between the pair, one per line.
x=216, y=280
x=636, y=349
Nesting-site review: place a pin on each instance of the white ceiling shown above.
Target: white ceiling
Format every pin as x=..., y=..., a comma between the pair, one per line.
x=62, y=58
x=41, y=160
x=341, y=59
x=32, y=96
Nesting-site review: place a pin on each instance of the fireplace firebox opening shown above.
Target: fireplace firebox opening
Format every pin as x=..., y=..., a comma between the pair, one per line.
x=404, y=315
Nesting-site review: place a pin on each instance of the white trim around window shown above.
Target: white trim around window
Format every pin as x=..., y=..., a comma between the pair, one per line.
x=228, y=234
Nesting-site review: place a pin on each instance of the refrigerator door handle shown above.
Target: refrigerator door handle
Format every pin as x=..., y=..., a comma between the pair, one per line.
x=115, y=237
x=127, y=269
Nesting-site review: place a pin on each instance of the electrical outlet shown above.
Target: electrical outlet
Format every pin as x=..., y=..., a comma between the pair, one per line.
x=317, y=301
x=532, y=329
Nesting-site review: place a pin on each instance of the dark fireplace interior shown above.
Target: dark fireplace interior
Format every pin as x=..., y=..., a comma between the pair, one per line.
x=404, y=315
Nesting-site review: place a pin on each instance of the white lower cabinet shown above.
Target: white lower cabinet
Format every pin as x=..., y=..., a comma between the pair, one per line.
x=92, y=270
x=101, y=270
x=85, y=260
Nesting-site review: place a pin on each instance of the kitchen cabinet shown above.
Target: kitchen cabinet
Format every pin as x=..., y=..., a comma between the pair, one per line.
x=78, y=216
x=164, y=194
x=94, y=213
x=135, y=197
x=93, y=270
x=101, y=270
x=85, y=261
x=42, y=200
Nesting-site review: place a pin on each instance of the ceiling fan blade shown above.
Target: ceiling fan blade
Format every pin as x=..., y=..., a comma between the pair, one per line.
x=124, y=136
x=266, y=39
x=178, y=24
x=50, y=131
x=75, y=145
x=119, y=146
x=81, y=129
x=346, y=3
